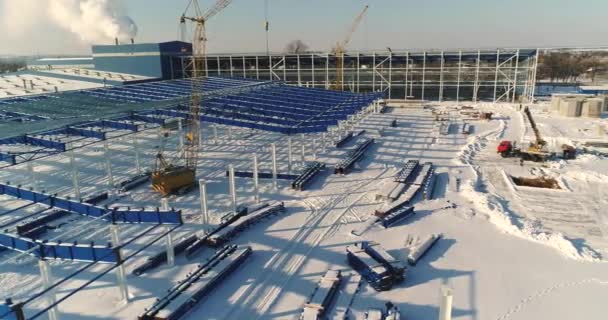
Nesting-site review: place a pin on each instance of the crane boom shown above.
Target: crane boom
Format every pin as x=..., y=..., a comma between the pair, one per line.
x=539, y=140
x=340, y=49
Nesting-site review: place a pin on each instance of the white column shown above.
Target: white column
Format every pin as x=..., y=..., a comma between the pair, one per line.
x=214, y=134
x=136, y=150
x=256, y=186
x=323, y=142
x=232, y=186
x=303, y=148
x=445, y=308
x=202, y=185
x=121, y=275
x=229, y=133
x=75, y=178
x=164, y=206
x=289, y=155
x=106, y=149
x=273, y=148
x=45, y=273
x=180, y=134
x=314, y=149
x=32, y=170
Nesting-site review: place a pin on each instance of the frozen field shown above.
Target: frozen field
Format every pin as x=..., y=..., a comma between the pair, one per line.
x=508, y=252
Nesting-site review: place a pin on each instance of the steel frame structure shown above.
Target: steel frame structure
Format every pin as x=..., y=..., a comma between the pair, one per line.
x=502, y=75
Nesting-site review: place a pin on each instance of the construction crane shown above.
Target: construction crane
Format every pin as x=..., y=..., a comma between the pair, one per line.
x=536, y=151
x=340, y=50
x=169, y=178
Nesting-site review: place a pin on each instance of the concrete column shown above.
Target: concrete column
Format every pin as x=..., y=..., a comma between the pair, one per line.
x=47, y=281
x=106, y=149
x=232, y=187
x=136, y=151
x=202, y=185
x=445, y=308
x=289, y=155
x=121, y=275
x=273, y=148
x=164, y=205
x=256, y=187
x=75, y=178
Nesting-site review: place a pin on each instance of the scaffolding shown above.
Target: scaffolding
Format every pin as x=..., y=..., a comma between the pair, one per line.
x=502, y=75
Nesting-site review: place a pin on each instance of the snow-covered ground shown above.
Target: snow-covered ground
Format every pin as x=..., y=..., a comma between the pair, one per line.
x=508, y=252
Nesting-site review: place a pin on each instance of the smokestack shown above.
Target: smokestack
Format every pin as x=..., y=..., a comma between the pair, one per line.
x=116, y=41
x=132, y=41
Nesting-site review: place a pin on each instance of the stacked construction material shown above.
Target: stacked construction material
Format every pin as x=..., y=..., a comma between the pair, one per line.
x=397, y=215
x=429, y=185
x=423, y=174
x=226, y=220
x=198, y=284
x=392, y=190
x=27, y=229
x=344, y=140
x=134, y=182
x=420, y=249
x=161, y=257
x=243, y=222
x=374, y=264
x=353, y=156
x=322, y=297
x=407, y=171
x=307, y=175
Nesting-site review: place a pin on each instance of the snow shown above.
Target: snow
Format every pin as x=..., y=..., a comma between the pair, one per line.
x=507, y=252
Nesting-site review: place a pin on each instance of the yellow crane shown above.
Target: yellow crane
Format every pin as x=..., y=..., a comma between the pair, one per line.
x=340, y=50
x=169, y=178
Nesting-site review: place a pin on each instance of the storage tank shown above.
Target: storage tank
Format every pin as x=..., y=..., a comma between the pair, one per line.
x=570, y=107
x=592, y=108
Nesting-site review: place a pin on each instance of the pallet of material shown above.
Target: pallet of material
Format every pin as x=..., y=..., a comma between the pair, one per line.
x=351, y=287
x=405, y=174
x=96, y=199
x=43, y=220
x=161, y=257
x=376, y=251
x=307, y=176
x=323, y=296
x=363, y=145
x=374, y=272
x=429, y=185
x=422, y=248
x=344, y=140
x=200, y=283
x=134, y=182
x=396, y=216
x=423, y=174
x=353, y=156
x=244, y=222
x=200, y=242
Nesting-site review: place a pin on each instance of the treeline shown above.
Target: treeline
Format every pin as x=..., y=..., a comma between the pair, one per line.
x=569, y=66
x=11, y=65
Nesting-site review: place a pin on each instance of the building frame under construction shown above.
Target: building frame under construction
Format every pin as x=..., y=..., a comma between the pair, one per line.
x=500, y=75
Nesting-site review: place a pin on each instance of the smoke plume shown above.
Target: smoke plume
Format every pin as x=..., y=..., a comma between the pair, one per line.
x=93, y=21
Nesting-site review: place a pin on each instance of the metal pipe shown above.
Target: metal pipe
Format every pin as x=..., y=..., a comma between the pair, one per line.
x=45, y=274
x=74, y=174
x=289, y=155
x=256, y=188
x=202, y=185
x=232, y=186
x=273, y=148
x=164, y=204
x=214, y=134
x=314, y=149
x=120, y=271
x=137, y=156
x=106, y=149
x=445, y=308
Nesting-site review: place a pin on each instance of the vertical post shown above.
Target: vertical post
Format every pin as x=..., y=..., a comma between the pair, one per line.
x=390, y=74
x=515, y=76
x=32, y=171
x=257, y=67
x=75, y=177
x=445, y=308
x=289, y=154
x=312, y=60
x=136, y=150
x=323, y=142
x=314, y=149
x=458, y=77
x=299, y=76
x=273, y=148
x=496, y=74
x=441, y=77
x=229, y=133
x=202, y=186
x=45, y=273
x=121, y=275
x=303, y=148
x=407, y=69
x=232, y=187
x=180, y=134
x=106, y=149
x=164, y=204
x=214, y=134
x=423, y=73
x=256, y=182
x=476, y=84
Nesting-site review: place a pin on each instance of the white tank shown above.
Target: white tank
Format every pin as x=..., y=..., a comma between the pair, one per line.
x=592, y=108
x=570, y=107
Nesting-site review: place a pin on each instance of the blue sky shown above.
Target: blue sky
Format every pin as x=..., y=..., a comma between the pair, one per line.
x=399, y=24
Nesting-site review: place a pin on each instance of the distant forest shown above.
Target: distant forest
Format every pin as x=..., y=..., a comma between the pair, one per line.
x=573, y=66
x=11, y=65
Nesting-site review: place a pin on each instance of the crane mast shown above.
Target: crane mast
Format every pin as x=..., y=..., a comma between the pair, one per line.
x=340, y=50
x=168, y=178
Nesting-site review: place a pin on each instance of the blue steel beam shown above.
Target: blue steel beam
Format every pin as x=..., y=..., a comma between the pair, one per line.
x=60, y=251
x=124, y=215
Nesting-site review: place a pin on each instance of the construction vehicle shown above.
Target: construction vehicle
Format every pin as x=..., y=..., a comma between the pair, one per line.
x=169, y=178
x=340, y=50
x=536, y=150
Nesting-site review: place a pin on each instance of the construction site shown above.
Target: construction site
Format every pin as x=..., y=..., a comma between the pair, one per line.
x=157, y=181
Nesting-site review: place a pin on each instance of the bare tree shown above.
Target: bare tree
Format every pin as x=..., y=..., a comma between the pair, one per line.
x=296, y=46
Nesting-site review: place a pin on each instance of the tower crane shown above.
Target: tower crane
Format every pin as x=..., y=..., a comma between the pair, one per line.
x=169, y=178
x=340, y=50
